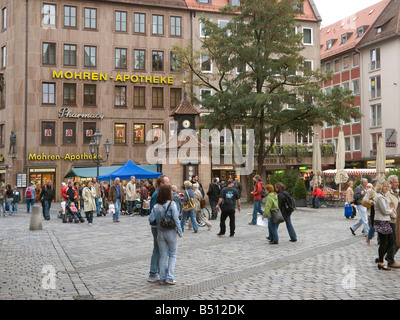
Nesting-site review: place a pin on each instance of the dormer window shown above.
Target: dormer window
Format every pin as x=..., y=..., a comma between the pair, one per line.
x=361, y=31
x=330, y=43
x=204, y=1
x=345, y=37
x=234, y=2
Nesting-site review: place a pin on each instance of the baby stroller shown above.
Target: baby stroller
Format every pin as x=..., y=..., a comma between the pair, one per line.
x=69, y=212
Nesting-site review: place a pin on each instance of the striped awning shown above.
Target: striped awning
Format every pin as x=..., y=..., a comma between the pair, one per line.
x=353, y=172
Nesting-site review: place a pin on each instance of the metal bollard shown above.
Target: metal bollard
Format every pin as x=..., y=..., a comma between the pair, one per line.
x=36, y=219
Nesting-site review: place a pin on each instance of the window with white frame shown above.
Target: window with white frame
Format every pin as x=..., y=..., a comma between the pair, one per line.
x=206, y=64
x=357, y=143
x=346, y=62
x=376, y=115
x=356, y=87
x=49, y=14
x=336, y=66
x=202, y=30
x=347, y=146
x=375, y=59
x=375, y=87
x=204, y=93
x=308, y=36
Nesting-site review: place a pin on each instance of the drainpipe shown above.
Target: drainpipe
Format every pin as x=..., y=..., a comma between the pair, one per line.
x=26, y=87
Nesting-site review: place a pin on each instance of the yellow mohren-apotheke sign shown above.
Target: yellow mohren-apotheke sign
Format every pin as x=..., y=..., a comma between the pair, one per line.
x=98, y=76
x=53, y=157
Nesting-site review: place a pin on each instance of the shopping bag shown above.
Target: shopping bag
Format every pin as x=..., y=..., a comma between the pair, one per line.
x=348, y=210
x=111, y=208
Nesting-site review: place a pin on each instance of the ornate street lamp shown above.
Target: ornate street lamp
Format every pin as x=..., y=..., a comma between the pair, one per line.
x=94, y=146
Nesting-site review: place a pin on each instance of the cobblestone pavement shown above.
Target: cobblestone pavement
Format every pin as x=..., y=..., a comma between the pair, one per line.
x=111, y=261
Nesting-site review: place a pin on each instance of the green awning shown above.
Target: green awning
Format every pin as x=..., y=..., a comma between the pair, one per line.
x=90, y=172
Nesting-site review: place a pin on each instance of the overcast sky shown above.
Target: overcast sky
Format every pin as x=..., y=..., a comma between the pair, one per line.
x=335, y=10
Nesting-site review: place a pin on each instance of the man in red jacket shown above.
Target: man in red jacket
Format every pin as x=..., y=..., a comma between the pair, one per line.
x=258, y=189
x=318, y=194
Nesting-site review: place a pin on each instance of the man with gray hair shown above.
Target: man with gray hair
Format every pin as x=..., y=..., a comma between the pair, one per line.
x=359, y=194
x=394, y=199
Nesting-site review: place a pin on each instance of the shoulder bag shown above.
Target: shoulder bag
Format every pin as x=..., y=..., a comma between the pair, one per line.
x=189, y=203
x=277, y=216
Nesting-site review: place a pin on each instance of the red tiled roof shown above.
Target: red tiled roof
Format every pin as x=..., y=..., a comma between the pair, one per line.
x=349, y=25
x=185, y=107
x=309, y=14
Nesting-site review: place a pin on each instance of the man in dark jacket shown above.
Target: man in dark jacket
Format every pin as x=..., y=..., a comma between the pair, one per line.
x=47, y=195
x=213, y=196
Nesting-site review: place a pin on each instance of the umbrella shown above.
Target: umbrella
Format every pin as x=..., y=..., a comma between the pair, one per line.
x=316, y=164
x=341, y=174
x=381, y=161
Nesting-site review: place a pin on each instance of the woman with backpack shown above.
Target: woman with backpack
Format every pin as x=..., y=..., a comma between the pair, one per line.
x=287, y=206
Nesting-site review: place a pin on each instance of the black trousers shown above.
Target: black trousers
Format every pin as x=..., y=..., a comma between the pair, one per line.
x=386, y=246
x=224, y=215
x=394, y=248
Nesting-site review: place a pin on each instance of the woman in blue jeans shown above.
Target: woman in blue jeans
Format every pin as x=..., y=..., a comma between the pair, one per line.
x=167, y=239
x=189, y=193
x=284, y=204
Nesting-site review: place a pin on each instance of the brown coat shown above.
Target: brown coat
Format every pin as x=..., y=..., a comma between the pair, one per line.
x=113, y=193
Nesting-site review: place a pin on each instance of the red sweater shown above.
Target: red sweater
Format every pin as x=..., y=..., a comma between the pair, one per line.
x=257, y=191
x=318, y=193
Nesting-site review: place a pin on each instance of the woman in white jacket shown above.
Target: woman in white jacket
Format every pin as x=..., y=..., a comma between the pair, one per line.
x=383, y=212
x=89, y=203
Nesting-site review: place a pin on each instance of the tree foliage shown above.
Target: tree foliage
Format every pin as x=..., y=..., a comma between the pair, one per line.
x=274, y=92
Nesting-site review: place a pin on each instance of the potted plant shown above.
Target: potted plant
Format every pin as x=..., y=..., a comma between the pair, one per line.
x=300, y=193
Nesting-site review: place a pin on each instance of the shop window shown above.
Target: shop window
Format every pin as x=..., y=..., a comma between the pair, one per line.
x=89, y=128
x=139, y=133
x=120, y=133
x=69, y=133
x=157, y=132
x=48, y=132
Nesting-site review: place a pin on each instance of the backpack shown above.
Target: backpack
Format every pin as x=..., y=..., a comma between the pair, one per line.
x=28, y=193
x=263, y=192
x=290, y=204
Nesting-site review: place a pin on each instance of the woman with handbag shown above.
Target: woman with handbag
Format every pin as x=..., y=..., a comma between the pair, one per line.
x=272, y=212
x=198, y=198
x=188, y=207
x=89, y=195
x=166, y=215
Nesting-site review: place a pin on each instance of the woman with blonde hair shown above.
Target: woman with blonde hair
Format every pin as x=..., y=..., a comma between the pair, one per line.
x=187, y=198
x=271, y=204
x=198, y=210
x=383, y=212
x=350, y=198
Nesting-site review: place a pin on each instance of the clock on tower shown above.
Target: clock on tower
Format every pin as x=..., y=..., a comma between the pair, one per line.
x=185, y=115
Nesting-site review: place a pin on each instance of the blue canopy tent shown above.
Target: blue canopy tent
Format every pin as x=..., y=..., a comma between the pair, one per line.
x=130, y=169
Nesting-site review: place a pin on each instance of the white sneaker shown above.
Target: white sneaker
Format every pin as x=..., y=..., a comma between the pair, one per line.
x=153, y=279
x=90, y=224
x=170, y=282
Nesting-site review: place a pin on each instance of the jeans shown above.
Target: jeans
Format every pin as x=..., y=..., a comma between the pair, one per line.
x=155, y=257
x=96, y=200
x=225, y=214
x=15, y=207
x=363, y=219
x=29, y=203
x=192, y=218
x=3, y=205
x=315, y=201
x=46, y=208
x=256, y=209
x=290, y=229
x=168, y=246
x=117, y=206
x=9, y=203
x=273, y=230
x=213, y=204
x=89, y=216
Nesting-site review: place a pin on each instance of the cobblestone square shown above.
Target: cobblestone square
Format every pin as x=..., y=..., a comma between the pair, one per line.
x=110, y=261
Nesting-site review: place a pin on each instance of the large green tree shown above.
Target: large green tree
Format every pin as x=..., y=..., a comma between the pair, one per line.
x=275, y=91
